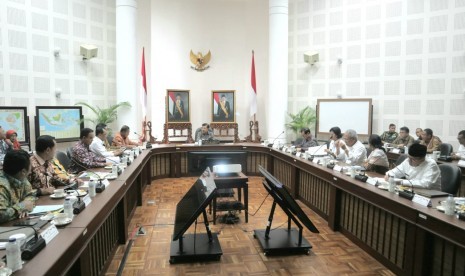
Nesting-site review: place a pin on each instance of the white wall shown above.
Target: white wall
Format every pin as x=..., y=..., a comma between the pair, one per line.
x=409, y=56
x=230, y=30
x=30, y=74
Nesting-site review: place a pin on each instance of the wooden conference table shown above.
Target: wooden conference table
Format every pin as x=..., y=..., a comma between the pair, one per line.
x=406, y=237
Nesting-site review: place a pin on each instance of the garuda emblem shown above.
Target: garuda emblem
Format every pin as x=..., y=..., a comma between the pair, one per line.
x=200, y=61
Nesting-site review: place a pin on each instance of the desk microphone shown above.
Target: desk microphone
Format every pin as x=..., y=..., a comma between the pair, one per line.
x=118, y=170
x=100, y=187
x=271, y=145
x=148, y=145
x=31, y=247
x=406, y=194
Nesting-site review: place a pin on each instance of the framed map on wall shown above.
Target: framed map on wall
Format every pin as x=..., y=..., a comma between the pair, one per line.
x=15, y=118
x=62, y=122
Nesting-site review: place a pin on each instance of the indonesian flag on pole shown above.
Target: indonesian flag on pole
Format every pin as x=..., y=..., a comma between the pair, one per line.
x=143, y=92
x=216, y=101
x=253, y=90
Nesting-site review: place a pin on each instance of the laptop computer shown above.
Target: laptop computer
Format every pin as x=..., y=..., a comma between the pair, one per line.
x=430, y=193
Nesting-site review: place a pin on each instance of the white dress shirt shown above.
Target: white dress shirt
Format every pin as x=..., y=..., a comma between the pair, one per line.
x=357, y=153
x=98, y=147
x=426, y=175
x=333, y=149
x=461, y=152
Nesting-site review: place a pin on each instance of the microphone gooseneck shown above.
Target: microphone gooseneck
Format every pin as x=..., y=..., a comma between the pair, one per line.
x=270, y=145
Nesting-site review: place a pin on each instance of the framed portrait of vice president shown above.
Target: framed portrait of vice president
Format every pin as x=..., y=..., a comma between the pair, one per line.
x=177, y=106
x=223, y=106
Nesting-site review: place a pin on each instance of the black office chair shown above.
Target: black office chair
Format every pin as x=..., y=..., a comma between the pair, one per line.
x=401, y=159
x=110, y=140
x=64, y=160
x=446, y=149
x=451, y=178
x=69, y=152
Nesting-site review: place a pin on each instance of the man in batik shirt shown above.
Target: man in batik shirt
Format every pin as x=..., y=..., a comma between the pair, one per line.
x=17, y=197
x=82, y=157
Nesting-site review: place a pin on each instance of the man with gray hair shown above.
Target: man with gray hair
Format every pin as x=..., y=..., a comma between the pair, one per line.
x=354, y=150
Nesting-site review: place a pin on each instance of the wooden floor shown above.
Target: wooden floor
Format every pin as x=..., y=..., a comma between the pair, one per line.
x=332, y=253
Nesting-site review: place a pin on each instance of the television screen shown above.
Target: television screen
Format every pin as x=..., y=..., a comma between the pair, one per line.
x=193, y=203
x=287, y=200
x=15, y=118
x=62, y=122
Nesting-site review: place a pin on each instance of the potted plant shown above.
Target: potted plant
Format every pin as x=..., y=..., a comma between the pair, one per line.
x=104, y=115
x=304, y=118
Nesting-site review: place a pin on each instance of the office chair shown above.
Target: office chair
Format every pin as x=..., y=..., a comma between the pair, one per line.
x=64, y=160
x=401, y=159
x=446, y=149
x=451, y=178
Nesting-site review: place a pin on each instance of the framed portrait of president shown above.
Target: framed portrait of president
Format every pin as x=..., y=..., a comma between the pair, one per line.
x=223, y=106
x=177, y=106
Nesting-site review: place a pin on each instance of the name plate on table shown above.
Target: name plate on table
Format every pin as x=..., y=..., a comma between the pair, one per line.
x=372, y=181
x=337, y=168
x=298, y=154
x=395, y=150
x=87, y=200
x=316, y=160
x=422, y=200
x=461, y=163
x=49, y=233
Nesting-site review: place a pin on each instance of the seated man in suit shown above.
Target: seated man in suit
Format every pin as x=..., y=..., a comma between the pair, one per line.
x=98, y=144
x=404, y=139
x=17, y=197
x=82, y=157
x=431, y=142
x=354, y=150
x=390, y=135
x=306, y=141
x=204, y=133
x=419, y=171
x=42, y=176
x=460, y=154
x=122, y=139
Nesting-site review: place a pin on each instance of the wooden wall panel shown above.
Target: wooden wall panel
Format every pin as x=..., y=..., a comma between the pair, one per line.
x=314, y=192
x=283, y=172
x=161, y=166
x=254, y=159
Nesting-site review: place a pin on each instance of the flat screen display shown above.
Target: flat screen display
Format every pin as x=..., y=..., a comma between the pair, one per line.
x=286, y=199
x=193, y=203
x=62, y=122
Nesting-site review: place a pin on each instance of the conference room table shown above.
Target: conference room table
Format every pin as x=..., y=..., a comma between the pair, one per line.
x=406, y=237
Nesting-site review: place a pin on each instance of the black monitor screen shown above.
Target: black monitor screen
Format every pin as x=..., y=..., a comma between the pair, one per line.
x=286, y=199
x=193, y=203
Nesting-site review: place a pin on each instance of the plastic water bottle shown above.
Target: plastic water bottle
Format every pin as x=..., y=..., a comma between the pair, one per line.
x=392, y=184
x=13, y=255
x=68, y=208
x=406, y=150
x=92, y=192
x=450, y=206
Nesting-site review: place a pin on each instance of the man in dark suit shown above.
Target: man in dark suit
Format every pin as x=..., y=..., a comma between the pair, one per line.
x=178, y=108
x=224, y=110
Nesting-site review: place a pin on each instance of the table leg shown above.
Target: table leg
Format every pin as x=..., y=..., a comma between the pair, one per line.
x=246, y=201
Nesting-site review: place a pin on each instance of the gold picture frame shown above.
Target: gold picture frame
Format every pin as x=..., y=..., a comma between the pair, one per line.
x=223, y=106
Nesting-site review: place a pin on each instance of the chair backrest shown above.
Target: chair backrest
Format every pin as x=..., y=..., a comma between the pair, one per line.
x=69, y=152
x=64, y=160
x=110, y=139
x=451, y=178
x=401, y=159
x=446, y=149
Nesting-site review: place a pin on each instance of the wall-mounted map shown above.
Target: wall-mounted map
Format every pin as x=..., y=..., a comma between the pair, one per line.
x=62, y=122
x=15, y=118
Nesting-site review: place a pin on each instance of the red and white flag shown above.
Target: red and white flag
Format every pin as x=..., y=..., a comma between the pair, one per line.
x=216, y=101
x=253, y=90
x=143, y=90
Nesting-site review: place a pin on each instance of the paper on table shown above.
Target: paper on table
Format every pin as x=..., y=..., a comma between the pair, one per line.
x=45, y=208
x=461, y=163
x=317, y=150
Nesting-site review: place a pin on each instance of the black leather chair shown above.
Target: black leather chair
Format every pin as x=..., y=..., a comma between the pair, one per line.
x=64, y=160
x=110, y=140
x=401, y=159
x=69, y=153
x=451, y=178
x=446, y=149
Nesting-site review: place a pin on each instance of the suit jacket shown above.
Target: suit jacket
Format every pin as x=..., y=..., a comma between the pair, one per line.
x=176, y=113
x=222, y=115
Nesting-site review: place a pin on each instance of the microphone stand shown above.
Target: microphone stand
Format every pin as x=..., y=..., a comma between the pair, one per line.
x=271, y=145
x=100, y=187
x=31, y=247
x=406, y=194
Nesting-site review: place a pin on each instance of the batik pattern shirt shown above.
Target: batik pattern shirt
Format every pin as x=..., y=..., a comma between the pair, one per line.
x=12, y=194
x=83, y=158
x=42, y=174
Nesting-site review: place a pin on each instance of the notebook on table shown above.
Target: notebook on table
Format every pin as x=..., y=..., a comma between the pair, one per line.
x=430, y=193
